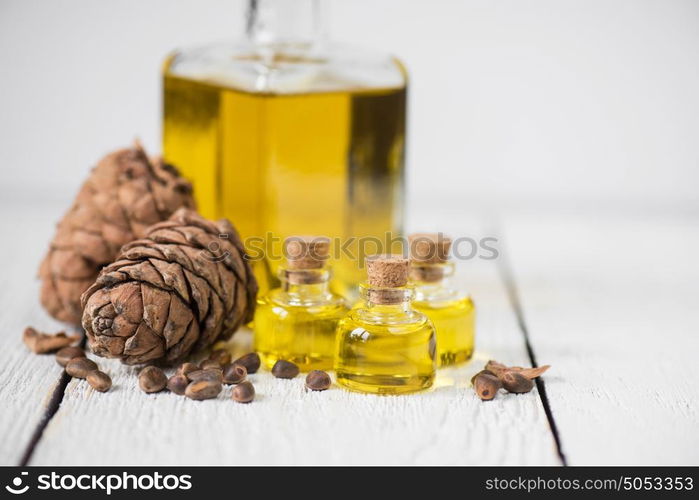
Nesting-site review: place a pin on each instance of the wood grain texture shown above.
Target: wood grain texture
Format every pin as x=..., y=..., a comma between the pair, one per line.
x=26, y=380
x=288, y=425
x=611, y=303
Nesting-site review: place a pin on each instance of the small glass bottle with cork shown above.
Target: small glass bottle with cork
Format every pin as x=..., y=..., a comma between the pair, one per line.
x=384, y=346
x=297, y=321
x=452, y=312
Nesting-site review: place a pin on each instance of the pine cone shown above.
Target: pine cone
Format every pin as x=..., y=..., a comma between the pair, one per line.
x=125, y=193
x=186, y=285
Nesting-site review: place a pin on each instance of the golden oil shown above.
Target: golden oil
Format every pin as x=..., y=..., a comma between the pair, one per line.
x=452, y=313
x=298, y=325
x=384, y=346
x=297, y=322
x=454, y=322
x=283, y=163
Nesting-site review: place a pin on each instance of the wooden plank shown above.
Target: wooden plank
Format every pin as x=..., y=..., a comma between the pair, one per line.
x=27, y=381
x=288, y=425
x=611, y=302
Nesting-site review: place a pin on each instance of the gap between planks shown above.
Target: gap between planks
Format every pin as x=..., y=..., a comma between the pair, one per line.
x=54, y=404
x=513, y=295
x=51, y=409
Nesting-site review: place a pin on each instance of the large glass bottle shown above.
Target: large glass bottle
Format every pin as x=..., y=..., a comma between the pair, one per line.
x=285, y=133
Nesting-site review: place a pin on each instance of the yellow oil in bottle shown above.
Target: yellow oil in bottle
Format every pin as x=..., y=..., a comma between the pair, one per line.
x=281, y=164
x=452, y=312
x=299, y=331
x=454, y=322
x=380, y=358
x=297, y=322
x=384, y=346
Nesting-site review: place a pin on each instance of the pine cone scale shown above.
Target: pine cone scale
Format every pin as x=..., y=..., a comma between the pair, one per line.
x=173, y=276
x=127, y=302
x=169, y=236
x=69, y=265
x=156, y=307
x=179, y=320
x=93, y=248
x=117, y=327
x=145, y=271
x=200, y=293
x=180, y=349
x=108, y=347
x=144, y=340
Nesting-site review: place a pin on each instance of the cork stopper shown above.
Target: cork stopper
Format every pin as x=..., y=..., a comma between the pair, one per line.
x=387, y=271
x=306, y=252
x=428, y=253
x=429, y=248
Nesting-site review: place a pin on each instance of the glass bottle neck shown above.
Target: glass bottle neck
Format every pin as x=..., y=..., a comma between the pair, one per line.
x=388, y=309
x=390, y=306
x=305, y=286
x=431, y=274
x=432, y=281
x=283, y=22
x=387, y=300
x=305, y=289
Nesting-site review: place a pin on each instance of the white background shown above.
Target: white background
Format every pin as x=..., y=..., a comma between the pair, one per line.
x=572, y=104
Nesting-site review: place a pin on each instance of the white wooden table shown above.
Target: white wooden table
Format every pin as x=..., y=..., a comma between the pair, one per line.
x=610, y=301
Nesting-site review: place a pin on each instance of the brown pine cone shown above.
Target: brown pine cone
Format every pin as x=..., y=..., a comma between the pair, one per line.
x=186, y=285
x=125, y=194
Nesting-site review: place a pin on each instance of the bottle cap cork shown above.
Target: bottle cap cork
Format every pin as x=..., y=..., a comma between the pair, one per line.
x=387, y=271
x=306, y=252
x=429, y=248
